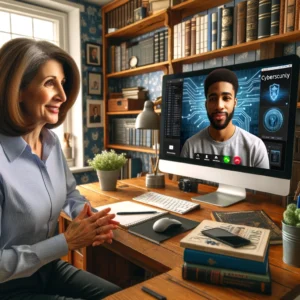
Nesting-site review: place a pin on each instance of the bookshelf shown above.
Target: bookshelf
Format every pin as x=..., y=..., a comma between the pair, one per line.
x=269, y=47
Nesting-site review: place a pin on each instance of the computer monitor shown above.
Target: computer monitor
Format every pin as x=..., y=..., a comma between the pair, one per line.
x=266, y=108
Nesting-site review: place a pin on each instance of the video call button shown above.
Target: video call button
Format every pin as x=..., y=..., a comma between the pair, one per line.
x=237, y=160
x=226, y=159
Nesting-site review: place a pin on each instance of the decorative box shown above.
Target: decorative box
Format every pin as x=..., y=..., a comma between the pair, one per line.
x=125, y=104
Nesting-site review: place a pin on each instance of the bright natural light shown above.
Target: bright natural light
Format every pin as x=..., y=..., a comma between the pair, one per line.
x=21, y=25
x=15, y=26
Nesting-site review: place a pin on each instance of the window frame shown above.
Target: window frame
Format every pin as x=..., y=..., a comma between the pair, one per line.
x=68, y=15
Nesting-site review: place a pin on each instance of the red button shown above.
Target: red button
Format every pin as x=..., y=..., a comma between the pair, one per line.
x=237, y=160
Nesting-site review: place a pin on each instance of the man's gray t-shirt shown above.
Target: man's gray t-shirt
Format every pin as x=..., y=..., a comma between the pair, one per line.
x=251, y=149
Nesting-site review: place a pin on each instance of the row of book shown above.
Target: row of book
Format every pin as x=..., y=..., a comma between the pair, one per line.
x=225, y=26
x=147, y=51
x=123, y=131
x=132, y=168
x=207, y=260
x=124, y=15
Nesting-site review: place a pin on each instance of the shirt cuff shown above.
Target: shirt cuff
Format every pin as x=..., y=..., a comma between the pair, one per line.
x=51, y=249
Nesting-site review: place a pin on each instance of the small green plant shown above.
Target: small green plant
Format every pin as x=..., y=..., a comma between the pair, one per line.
x=291, y=216
x=108, y=161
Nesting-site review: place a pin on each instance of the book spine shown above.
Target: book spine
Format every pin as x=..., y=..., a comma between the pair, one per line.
x=275, y=17
x=290, y=16
x=156, y=47
x=187, y=41
x=224, y=261
x=193, y=36
x=214, y=30
x=175, y=42
x=220, y=9
x=205, y=33
x=241, y=22
x=161, y=46
x=227, y=27
x=252, y=20
x=264, y=19
x=229, y=278
x=166, y=45
x=183, y=39
x=198, y=34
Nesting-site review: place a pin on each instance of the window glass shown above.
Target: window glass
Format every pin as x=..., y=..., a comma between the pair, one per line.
x=21, y=25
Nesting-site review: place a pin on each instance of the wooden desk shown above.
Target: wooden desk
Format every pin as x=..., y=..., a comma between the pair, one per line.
x=130, y=259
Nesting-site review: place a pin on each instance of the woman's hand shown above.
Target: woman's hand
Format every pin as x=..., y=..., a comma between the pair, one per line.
x=90, y=228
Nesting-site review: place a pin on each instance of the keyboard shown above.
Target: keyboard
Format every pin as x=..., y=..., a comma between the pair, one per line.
x=166, y=202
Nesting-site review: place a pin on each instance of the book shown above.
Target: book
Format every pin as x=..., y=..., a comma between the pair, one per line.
x=254, y=218
x=256, y=251
x=145, y=230
x=229, y=278
x=264, y=19
x=224, y=261
x=275, y=17
x=241, y=22
x=251, y=20
x=128, y=206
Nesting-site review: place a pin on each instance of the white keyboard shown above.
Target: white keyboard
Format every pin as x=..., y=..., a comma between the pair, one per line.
x=166, y=202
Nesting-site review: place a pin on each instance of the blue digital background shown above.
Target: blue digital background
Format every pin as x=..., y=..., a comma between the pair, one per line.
x=246, y=115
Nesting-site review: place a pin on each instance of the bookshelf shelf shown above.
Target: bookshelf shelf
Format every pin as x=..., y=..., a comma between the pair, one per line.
x=200, y=5
x=288, y=37
x=141, y=27
x=131, y=148
x=130, y=112
x=163, y=66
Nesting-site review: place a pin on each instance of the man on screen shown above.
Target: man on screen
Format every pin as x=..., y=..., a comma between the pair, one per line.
x=221, y=137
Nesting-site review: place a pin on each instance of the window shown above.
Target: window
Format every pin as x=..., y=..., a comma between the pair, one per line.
x=41, y=23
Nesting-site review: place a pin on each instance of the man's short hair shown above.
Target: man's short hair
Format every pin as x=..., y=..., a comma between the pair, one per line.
x=218, y=75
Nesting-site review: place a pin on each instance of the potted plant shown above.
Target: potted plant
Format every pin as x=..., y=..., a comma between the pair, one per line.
x=108, y=164
x=291, y=235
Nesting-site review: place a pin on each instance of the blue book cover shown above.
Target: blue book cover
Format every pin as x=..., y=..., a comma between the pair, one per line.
x=225, y=262
x=136, y=167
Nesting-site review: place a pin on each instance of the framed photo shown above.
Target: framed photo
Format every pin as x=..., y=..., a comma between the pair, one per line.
x=94, y=83
x=93, y=54
x=95, y=113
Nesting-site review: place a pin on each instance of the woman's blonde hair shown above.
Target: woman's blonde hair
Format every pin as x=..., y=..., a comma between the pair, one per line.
x=20, y=60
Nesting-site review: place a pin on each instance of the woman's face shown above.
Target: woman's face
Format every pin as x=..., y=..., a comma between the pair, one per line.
x=44, y=95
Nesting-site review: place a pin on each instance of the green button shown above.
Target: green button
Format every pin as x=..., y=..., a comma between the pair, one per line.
x=226, y=159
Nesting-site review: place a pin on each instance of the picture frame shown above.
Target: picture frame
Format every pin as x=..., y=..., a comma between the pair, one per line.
x=94, y=113
x=93, y=54
x=94, y=83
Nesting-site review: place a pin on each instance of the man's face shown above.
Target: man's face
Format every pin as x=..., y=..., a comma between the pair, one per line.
x=94, y=52
x=220, y=104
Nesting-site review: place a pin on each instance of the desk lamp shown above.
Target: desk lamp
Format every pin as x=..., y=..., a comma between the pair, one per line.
x=148, y=119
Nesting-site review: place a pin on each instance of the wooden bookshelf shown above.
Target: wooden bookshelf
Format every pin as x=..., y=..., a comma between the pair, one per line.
x=288, y=37
x=269, y=47
x=131, y=148
x=129, y=112
x=163, y=66
x=141, y=27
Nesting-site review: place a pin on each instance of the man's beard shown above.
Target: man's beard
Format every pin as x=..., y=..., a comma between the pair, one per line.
x=217, y=126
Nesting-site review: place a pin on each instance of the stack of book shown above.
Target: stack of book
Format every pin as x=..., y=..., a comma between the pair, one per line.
x=207, y=260
x=135, y=93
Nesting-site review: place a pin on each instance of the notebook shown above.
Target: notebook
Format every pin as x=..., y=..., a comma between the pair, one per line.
x=130, y=220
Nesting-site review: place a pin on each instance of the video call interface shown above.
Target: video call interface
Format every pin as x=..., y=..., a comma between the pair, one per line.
x=262, y=109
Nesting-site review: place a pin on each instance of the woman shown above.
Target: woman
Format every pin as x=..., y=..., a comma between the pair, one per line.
x=39, y=83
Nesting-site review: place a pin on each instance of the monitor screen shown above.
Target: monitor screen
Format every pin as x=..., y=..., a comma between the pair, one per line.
x=243, y=139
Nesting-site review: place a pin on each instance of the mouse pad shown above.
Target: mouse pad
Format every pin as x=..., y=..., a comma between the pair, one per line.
x=145, y=230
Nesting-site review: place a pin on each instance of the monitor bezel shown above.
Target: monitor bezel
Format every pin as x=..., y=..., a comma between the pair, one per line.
x=288, y=156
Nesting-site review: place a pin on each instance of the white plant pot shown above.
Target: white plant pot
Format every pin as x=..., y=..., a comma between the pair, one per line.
x=108, y=179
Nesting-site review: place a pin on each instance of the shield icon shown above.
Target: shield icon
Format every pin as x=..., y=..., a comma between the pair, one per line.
x=274, y=91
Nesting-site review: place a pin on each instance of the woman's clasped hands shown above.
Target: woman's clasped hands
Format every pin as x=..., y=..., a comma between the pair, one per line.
x=90, y=228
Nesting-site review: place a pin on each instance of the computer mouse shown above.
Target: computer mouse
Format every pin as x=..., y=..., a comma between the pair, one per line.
x=164, y=224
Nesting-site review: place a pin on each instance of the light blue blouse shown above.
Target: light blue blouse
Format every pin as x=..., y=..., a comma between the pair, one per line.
x=32, y=194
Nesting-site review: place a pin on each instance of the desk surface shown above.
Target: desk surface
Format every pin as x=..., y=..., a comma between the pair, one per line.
x=166, y=259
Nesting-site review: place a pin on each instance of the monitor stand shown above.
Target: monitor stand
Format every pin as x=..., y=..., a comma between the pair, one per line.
x=225, y=195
